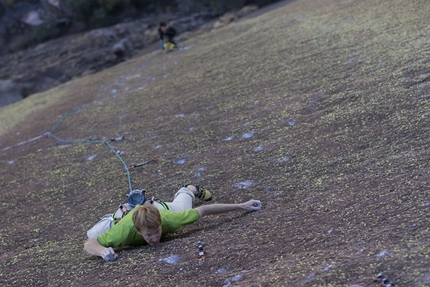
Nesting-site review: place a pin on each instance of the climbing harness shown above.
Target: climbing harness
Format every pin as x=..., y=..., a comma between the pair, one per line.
x=153, y=199
x=123, y=210
x=134, y=198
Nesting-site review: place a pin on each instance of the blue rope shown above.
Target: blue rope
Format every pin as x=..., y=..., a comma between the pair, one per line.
x=123, y=162
x=106, y=142
x=63, y=117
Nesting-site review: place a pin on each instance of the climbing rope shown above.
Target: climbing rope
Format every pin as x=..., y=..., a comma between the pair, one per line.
x=61, y=141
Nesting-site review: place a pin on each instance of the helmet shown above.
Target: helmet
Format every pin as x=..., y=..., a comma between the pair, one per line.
x=136, y=197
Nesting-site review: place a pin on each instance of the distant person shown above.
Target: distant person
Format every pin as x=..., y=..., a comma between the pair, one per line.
x=154, y=219
x=167, y=33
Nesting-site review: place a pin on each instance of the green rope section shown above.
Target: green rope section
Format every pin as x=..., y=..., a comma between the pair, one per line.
x=62, y=117
x=123, y=162
x=61, y=141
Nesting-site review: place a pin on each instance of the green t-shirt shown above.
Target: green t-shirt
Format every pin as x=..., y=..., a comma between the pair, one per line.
x=125, y=234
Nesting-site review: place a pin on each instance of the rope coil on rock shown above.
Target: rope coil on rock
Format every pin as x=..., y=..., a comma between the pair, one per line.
x=62, y=117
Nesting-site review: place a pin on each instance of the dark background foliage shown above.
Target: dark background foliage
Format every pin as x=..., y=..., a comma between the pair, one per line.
x=73, y=16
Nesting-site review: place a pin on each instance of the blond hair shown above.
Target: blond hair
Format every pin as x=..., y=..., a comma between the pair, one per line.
x=146, y=217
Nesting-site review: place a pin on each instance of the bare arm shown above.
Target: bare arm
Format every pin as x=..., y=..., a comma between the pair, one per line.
x=93, y=247
x=252, y=205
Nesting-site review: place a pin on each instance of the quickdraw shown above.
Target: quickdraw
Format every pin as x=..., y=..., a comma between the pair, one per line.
x=200, y=251
x=383, y=281
x=123, y=210
x=127, y=136
x=143, y=163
